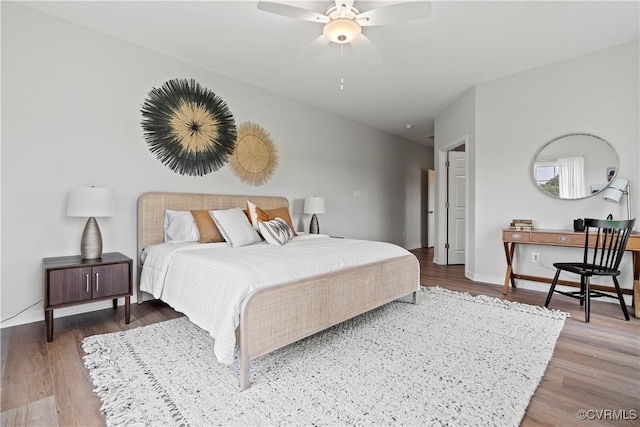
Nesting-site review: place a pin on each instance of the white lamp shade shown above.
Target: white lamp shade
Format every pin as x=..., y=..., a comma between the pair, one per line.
x=314, y=205
x=90, y=202
x=615, y=190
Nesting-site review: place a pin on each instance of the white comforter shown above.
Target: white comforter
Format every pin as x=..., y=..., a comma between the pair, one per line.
x=209, y=282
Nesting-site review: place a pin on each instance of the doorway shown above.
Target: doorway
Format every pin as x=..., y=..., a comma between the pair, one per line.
x=442, y=221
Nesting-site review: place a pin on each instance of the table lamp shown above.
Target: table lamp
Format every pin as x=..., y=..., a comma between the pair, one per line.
x=91, y=202
x=314, y=205
x=615, y=191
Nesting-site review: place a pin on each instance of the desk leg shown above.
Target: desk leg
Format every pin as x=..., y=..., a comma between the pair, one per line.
x=508, y=252
x=636, y=284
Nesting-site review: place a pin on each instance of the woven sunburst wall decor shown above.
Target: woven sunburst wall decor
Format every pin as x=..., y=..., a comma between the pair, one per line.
x=255, y=158
x=188, y=127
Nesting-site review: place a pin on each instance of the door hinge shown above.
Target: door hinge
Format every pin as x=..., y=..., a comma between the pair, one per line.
x=446, y=164
x=446, y=246
x=446, y=205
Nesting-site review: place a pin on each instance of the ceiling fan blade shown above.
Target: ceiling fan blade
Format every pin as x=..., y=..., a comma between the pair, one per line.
x=292, y=12
x=312, y=49
x=395, y=13
x=367, y=50
x=347, y=6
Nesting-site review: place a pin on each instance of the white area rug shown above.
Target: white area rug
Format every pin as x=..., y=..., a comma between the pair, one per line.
x=451, y=360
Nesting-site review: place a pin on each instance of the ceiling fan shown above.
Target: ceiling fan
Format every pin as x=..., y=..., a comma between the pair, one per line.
x=343, y=23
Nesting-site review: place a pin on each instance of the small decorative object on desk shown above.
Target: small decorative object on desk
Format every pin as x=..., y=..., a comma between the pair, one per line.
x=578, y=224
x=521, y=224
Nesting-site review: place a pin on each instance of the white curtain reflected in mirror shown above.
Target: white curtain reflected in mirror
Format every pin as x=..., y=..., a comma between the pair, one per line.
x=574, y=166
x=571, y=178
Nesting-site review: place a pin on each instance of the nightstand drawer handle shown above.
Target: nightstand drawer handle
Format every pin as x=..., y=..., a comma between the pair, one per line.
x=97, y=282
x=87, y=282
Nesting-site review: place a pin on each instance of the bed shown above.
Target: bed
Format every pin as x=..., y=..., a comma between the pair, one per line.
x=275, y=314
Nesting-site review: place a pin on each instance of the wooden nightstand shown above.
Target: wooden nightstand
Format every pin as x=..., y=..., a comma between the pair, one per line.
x=71, y=280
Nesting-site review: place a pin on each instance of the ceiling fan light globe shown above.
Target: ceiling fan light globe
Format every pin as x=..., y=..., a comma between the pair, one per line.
x=341, y=30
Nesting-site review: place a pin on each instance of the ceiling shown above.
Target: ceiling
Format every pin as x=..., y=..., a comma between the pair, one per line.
x=427, y=63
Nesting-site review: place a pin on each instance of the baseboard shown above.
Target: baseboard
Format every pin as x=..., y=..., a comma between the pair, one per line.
x=415, y=246
x=29, y=316
x=37, y=313
x=543, y=288
x=485, y=278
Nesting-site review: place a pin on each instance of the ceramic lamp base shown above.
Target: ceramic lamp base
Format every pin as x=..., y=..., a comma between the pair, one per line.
x=314, y=228
x=91, y=243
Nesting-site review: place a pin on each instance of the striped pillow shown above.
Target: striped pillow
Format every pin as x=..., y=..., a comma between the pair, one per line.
x=276, y=232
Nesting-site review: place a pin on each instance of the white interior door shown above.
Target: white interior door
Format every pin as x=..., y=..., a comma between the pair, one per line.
x=457, y=207
x=431, y=208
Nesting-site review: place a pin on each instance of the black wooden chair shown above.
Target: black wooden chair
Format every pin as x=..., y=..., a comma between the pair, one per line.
x=604, y=245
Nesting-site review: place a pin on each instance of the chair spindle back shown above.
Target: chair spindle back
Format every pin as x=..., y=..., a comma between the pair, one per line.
x=611, y=238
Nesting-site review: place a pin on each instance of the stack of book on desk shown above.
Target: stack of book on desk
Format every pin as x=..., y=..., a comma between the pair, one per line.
x=521, y=224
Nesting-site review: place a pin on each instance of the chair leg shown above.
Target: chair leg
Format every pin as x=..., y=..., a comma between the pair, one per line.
x=587, y=298
x=582, y=278
x=620, y=298
x=553, y=288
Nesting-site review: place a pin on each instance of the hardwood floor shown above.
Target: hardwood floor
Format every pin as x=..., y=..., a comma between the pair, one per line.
x=595, y=366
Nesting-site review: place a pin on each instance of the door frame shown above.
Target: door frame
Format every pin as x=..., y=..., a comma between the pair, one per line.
x=440, y=252
x=431, y=208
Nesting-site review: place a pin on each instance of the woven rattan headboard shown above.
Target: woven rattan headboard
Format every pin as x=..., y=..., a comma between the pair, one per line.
x=151, y=208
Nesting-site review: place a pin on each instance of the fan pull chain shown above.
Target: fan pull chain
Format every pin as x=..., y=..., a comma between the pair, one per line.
x=341, y=63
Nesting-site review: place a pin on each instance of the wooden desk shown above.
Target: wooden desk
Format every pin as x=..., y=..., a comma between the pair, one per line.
x=568, y=238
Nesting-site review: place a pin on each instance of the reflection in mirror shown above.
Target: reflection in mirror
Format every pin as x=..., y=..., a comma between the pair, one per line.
x=575, y=166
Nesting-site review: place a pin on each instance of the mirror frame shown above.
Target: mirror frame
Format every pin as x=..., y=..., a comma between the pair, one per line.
x=535, y=158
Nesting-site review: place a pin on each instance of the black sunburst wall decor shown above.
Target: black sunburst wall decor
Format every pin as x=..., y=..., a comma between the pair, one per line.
x=188, y=127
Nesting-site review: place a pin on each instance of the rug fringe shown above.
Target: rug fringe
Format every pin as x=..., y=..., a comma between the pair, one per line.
x=118, y=401
x=526, y=308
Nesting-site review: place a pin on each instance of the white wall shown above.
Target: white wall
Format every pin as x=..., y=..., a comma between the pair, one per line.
x=71, y=102
x=518, y=114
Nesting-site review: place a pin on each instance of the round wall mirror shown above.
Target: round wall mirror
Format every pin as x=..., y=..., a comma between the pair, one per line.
x=575, y=166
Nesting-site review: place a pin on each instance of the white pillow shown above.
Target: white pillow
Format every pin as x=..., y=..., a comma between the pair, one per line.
x=179, y=226
x=235, y=227
x=276, y=232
